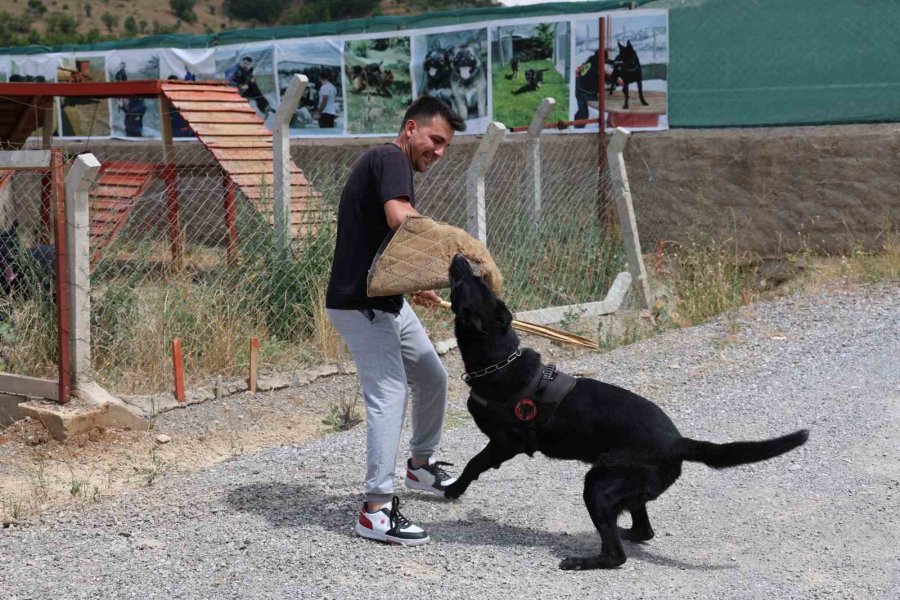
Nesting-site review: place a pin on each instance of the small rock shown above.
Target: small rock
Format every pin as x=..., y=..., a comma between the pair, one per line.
x=163, y=439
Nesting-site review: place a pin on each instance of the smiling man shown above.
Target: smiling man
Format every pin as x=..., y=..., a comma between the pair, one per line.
x=392, y=352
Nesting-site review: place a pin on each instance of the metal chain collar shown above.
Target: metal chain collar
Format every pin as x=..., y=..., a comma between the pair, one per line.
x=467, y=377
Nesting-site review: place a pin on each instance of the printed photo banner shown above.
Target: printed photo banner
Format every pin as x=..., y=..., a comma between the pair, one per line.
x=360, y=85
x=322, y=108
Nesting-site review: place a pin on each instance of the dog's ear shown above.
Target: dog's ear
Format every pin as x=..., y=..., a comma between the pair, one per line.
x=621, y=47
x=628, y=44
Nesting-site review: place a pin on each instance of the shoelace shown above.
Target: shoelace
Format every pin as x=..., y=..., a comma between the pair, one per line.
x=436, y=470
x=397, y=519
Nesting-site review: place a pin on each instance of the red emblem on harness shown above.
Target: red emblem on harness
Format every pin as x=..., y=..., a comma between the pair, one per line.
x=525, y=410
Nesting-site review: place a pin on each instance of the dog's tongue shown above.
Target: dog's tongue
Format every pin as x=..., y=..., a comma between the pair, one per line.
x=9, y=273
x=465, y=72
x=432, y=72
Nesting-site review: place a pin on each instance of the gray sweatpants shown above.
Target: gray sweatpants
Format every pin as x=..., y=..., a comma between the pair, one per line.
x=393, y=356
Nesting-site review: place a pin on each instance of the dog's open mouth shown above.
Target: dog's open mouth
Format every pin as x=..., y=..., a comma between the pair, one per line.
x=432, y=72
x=465, y=72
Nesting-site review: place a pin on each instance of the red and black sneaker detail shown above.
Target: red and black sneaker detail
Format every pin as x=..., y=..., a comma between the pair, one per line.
x=388, y=525
x=430, y=478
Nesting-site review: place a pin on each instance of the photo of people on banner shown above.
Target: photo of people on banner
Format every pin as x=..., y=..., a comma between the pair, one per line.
x=530, y=62
x=378, y=85
x=81, y=116
x=321, y=108
x=176, y=64
x=134, y=116
x=5, y=68
x=250, y=70
x=453, y=67
x=635, y=60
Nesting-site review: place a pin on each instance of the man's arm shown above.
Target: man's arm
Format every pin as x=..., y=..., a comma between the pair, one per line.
x=322, y=104
x=397, y=210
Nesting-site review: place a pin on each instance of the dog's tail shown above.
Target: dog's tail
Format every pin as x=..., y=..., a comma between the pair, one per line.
x=721, y=456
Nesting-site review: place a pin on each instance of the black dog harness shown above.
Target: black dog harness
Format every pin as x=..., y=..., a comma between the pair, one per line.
x=532, y=405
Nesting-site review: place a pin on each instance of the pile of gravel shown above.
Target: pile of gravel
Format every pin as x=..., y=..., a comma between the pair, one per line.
x=820, y=522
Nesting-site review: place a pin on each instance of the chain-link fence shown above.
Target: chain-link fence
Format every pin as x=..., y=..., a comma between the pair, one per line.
x=201, y=264
x=28, y=314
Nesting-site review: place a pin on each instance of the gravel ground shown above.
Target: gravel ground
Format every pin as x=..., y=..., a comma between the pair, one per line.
x=821, y=522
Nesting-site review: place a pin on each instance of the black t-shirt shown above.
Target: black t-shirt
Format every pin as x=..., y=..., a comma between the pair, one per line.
x=382, y=173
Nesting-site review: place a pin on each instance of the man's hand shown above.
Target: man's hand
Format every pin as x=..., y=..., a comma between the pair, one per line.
x=426, y=298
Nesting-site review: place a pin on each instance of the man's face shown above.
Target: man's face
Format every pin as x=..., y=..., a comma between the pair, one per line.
x=427, y=142
x=245, y=63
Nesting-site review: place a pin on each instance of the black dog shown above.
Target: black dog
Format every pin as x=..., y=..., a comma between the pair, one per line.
x=24, y=270
x=634, y=448
x=514, y=66
x=534, y=78
x=438, y=69
x=627, y=67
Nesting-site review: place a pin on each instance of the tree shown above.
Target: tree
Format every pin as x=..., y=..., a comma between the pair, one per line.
x=130, y=24
x=544, y=39
x=184, y=10
x=111, y=21
x=266, y=11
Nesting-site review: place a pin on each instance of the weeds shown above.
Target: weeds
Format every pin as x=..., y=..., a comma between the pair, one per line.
x=344, y=414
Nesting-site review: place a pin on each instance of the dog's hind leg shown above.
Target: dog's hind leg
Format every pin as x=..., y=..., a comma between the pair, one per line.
x=640, y=531
x=640, y=85
x=605, y=491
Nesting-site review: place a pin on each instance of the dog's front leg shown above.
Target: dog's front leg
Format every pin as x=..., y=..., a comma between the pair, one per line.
x=492, y=456
x=625, y=91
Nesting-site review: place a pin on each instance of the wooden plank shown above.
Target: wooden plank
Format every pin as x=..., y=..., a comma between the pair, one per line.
x=194, y=106
x=123, y=180
x=103, y=216
x=178, y=369
x=97, y=204
x=248, y=130
x=238, y=167
x=122, y=167
x=252, y=180
x=232, y=142
x=222, y=117
x=171, y=86
x=115, y=191
x=218, y=95
x=20, y=385
x=98, y=89
x=241, y=154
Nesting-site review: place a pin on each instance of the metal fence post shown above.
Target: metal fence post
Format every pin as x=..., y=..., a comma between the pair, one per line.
x=476, y=223
x=533, y=159
x=281, y=161
x=625, y=208
x=81, y=176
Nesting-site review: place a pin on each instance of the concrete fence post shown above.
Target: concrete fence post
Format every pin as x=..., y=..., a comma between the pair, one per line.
x=281, y=161
x=533, y=160
x=627, y=222
x=476, y=223
x=78, y=183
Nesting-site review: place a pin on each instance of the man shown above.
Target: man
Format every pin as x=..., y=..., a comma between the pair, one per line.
x=327, y=101
x=240, y=75
x=391, y=350
x=587, y=82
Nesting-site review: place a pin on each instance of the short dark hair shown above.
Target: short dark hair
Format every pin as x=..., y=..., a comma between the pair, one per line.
x=324, y=75
x=250, y=58
x=427, y=107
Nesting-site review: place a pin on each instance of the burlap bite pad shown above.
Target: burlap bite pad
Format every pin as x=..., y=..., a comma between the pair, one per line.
x=418, y=257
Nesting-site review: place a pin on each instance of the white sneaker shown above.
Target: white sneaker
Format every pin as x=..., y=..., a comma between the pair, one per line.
x=388, y=525
x=430, y=478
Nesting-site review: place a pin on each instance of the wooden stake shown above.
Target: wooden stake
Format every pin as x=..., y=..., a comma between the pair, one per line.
x=254, y=364
x=551, y=333
x=178, y=368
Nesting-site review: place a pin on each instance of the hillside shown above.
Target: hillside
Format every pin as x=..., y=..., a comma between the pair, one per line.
x=53, y=22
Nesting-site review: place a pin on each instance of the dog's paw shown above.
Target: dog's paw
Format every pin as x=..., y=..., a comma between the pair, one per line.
x=584, y=563
x=454, y=491
x=633, y=535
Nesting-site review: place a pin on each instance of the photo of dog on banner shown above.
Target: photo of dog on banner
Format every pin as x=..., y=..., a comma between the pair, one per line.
x=452, y=67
